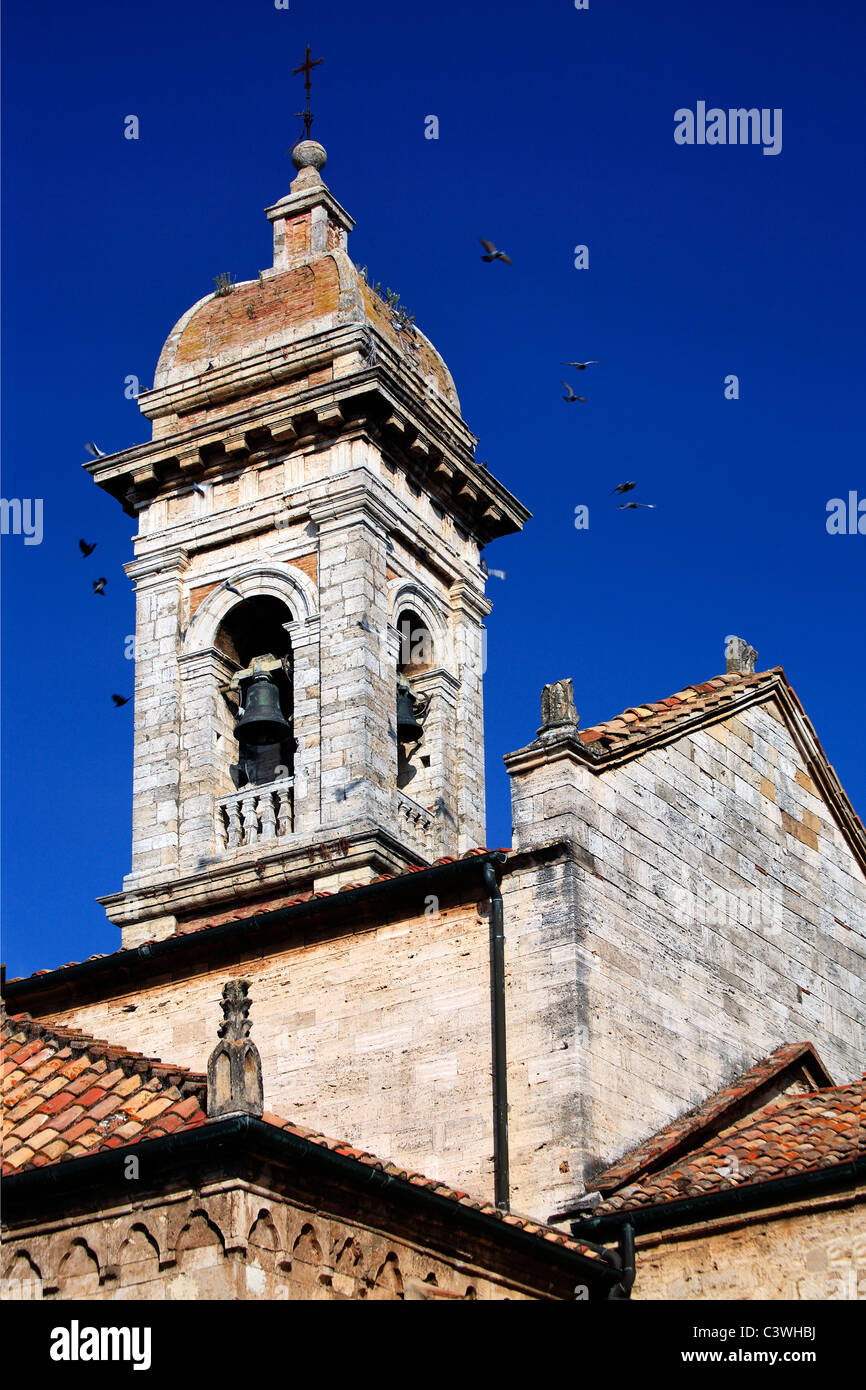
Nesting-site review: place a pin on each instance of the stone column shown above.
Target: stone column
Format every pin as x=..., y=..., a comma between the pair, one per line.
x=358, y=675
x=158, y=581
x=306, y=681
x=207, y=750
x=436, y=786
x=469, y=609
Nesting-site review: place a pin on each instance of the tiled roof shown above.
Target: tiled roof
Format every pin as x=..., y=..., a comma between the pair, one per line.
x=795, y=1134
x=687, y=1131
x=641, y=722
x=242, y=912
x=525, y=1223
x=66, y=1094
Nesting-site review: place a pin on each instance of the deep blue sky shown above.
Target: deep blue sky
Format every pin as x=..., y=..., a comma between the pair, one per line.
x=556, y=128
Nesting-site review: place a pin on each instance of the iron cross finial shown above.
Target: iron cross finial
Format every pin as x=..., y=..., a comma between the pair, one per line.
x=306, y=68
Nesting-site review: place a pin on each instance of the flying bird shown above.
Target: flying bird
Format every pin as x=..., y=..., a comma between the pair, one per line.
x=231, y=588
x=582, y=366
x=571, y=397
x=121, y=700
x=492, y=253
x=494, y=574
x=202, y=491
x=623, y=487
x=99, y=584
x=630, y=506
x=86, y=548
x=95, y=451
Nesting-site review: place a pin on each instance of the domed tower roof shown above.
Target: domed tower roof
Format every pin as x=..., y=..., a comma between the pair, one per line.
x=308, y=351
x=312, y=287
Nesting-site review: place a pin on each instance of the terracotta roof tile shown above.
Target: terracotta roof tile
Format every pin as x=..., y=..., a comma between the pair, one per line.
x=689, y=1128
x=107, y=1118
x=639, y=723
x=794, y=1134
x=105, y=1092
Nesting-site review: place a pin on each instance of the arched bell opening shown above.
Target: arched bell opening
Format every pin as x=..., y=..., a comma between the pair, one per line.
x=415, y=656
x=259, y=695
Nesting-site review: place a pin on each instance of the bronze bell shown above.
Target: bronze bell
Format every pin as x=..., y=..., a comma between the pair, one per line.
x=408, y=728
x=262, y=720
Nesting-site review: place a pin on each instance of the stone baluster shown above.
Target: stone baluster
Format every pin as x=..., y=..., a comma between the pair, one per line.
x=268, y=816
x=284, y=812
x=251, y=822
x=233, y=824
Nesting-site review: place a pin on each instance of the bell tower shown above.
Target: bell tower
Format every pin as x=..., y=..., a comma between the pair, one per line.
x=309, y=598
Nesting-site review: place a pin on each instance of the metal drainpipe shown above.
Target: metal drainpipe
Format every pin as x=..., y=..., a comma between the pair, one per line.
x=500, y=1074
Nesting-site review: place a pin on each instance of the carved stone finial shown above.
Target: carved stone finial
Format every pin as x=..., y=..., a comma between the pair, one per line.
x=557, y=707
x=234, y=1069
x=739, y=656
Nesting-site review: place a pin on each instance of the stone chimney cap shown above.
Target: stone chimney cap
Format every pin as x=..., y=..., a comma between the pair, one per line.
x=739, y=656
x=557, y=707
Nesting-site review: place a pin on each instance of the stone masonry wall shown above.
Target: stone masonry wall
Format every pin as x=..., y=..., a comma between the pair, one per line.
x=380, y=1037
x=711, y=912
x=816, y=1252
x=231, y=1240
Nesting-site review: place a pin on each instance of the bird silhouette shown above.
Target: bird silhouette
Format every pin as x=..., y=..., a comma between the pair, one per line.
x=86, y=548
x=494, y=574
x=623, y=487
x=571, y=397
x=99, y=584
x=121, y=700
x=492, y=253
x=231, y=588
x=202, y=491
x=630, y=506
x=582, y=366
x=95, y=451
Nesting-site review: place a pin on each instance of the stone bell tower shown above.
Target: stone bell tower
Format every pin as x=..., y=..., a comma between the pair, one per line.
x=309, y=599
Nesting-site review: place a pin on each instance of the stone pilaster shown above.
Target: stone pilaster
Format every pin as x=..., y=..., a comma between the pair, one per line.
x=158, y=584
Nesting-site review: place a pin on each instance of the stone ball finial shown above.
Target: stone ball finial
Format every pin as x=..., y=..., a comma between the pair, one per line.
x=309, y=154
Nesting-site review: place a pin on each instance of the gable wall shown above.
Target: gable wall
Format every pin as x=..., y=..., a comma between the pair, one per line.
x=716, y=913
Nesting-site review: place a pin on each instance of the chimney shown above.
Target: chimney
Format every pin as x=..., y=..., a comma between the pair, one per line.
x=739, y=656
x=234, y=1069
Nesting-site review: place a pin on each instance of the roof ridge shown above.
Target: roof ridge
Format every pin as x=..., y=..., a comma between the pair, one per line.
x=712, y=690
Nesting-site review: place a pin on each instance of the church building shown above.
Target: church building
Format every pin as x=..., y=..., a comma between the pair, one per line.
x=443, y=1070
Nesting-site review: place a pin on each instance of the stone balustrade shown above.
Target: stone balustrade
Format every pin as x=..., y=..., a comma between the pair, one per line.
x=416, y=822
x=254, y=815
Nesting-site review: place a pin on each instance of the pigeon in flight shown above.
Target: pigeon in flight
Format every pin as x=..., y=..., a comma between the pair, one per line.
x=582, y=366
x=231, y=588
x=571, y=397
x=86, y=548
x=95, y=451
x=492, y=253
x=630, y=506
x=494, y=574
x=623, y=487
x=99, y=584
x=202, y=491
x=121, y=700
